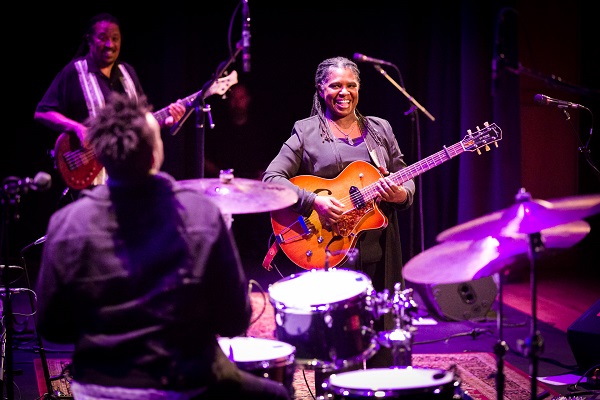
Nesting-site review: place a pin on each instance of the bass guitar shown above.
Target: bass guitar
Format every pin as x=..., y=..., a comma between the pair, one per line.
x=78, y=165
x=311, y=245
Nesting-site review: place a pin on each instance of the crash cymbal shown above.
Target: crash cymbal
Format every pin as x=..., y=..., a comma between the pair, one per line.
x=243, y=196
x=465, y=260
x=525, y=217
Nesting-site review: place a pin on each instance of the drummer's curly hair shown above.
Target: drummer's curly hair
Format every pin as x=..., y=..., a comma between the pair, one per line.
x=120, y=135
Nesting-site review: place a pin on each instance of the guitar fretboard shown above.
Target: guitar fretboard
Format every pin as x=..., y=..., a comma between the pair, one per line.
x=369, y=192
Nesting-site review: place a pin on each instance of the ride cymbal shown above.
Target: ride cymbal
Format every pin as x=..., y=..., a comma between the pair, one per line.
x=243, y=196
x=466, y=260
x=525, y=217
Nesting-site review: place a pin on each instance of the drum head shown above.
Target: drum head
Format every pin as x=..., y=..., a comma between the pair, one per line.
x=319, y=287
x=384, y=381
x=251, y=350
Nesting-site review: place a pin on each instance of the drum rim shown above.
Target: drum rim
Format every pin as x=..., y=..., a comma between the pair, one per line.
x=332, y=388
x=276, y=362
x=280, y=304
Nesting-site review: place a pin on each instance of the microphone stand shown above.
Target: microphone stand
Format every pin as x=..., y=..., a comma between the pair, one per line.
x=200, y=117
x=40, y=343
x=10, y=199
x=416, y=104
x=404, y=92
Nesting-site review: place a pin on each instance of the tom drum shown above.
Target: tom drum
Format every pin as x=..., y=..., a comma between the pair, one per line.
x=266, y=358
x=327, y=315
x=392, y=383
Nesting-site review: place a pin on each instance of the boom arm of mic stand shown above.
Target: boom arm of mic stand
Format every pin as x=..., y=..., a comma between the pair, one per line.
x=404, y=92
x=191, y=107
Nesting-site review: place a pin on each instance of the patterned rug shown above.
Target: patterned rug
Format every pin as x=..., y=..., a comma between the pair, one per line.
x=474, y=371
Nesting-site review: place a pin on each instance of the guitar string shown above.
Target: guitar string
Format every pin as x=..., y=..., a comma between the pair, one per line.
x=411, y=171
x=73, y=158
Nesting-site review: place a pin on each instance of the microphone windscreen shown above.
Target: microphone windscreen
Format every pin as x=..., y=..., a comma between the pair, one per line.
x=540, y=99
x=42, y=181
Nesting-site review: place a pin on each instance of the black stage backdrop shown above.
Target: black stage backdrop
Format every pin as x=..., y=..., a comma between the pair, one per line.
x=443, y=52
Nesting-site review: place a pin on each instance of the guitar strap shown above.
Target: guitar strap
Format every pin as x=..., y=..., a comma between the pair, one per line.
x=127, y=83
x=91, y=90
x=376, y=153
x=94, y=99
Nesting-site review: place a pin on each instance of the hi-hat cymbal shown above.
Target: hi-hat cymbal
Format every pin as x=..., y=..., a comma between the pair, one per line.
x=526, y=217
x=243, y=196
x=465, y=260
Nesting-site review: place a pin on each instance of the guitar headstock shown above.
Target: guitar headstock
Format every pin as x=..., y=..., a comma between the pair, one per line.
x=491, y=133
x=222, y=85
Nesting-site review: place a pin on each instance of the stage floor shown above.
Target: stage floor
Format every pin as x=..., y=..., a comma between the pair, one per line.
x=562, y=297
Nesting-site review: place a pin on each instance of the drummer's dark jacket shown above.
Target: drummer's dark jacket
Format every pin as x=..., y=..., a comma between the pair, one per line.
x=142, y=280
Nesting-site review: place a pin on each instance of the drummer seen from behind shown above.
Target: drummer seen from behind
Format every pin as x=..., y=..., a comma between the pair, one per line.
x=144, y=277
x=323, y=145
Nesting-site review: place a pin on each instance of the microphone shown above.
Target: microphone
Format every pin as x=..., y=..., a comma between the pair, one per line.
x=362, y=58
x=41, y=182
x=543, y=100
x=246, y=36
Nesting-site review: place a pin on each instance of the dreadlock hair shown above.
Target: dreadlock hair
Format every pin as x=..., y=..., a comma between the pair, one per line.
x=121, y=137
x=318, y=106
x=84, y=46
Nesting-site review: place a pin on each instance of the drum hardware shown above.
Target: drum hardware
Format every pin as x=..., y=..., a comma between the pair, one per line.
x=400, y=339
x=526, y=227
x=351, y=255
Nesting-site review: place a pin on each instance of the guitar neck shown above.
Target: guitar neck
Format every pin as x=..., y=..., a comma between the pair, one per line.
x=220, y=86
x=162, y=114
x=428, y=163
x=417, y=168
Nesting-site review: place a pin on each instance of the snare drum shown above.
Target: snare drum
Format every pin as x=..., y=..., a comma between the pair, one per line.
x=325, y=315
x=392, y=383
x=266, y=358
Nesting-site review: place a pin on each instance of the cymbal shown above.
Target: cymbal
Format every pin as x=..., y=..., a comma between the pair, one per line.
x=465, y=260
x=243, y=196
x=527, y=217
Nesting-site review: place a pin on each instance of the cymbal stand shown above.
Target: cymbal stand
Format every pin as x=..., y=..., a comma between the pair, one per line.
x=500, y=348
x=534, y=345
x=400, y=339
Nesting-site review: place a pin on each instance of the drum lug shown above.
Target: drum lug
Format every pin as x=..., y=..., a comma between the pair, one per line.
x=328, y=319
x=279, y=318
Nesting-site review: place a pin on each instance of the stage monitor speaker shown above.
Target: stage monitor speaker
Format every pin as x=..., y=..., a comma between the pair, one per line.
x=460, y=301
x=584, y=338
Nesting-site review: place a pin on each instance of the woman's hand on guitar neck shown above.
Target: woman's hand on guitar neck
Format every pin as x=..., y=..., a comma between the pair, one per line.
x=391, y=192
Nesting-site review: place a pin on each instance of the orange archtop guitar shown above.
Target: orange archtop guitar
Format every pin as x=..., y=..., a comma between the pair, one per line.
x=311, y=245
x=78, y=165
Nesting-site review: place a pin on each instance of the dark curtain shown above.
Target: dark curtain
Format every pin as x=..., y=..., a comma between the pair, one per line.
x=443, y=52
